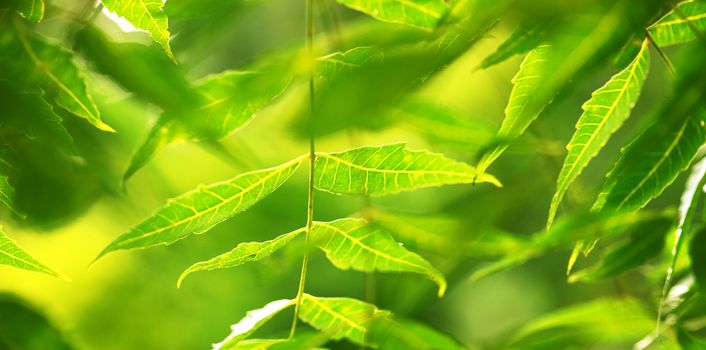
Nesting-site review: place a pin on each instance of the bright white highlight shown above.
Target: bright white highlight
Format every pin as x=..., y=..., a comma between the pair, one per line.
x=252, y=318
x=122, y=23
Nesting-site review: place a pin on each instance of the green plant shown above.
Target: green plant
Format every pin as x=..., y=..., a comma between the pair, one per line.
x=370, y=77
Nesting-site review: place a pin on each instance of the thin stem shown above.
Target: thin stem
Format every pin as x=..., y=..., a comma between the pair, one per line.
x=662, y=55
x=312, y=159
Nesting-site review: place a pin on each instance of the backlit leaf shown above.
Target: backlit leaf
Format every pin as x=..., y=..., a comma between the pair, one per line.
x=678, y=26
x=603, y=114
x=33, y=10
x=353, y=243
x=198, y=211
x=340, y=317
x=34, y=60
x=243, y=253
x=390, y=169
x=253, y=320
x=148, y=15
x=423, y=14
x=523, y=39
x=11, y=254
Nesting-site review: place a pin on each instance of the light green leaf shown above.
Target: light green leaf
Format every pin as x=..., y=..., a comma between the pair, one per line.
x=422, y=14
x=651, y=162
x=677, y=26
x=7, y=196
x=434, y=233
x=352, y=243
x=603, y=114
x=340, y=317
x=253, y=320
x=443, y=124
x=606, y=322
x=520, y=112
x=329, y=67
x=523, y=39
x=389, y=169
x=198, y=211
x=243, y=253
x=388, y=333
x=228, y=101
x=645, y=242
x=33, y=10
x=148, y=15
x=31, y=59
x=11, y=254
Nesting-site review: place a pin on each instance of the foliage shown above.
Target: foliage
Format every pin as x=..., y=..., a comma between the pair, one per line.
x=110, y=107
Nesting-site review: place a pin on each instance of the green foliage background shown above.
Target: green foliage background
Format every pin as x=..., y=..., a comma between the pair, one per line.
x=80, y=186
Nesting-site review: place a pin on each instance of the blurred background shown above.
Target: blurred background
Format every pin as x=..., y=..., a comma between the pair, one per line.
x=77, y=204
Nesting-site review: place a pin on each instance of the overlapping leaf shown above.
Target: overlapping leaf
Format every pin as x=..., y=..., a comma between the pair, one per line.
x=11, y=254
x=423, y=14
x=340, y=317
x=352, y=243
x=681, y=24
x=7, y=195
x=243, y=253
x=33, y=10
x=39, y=63
x=228, y=101
x=603, y=114
x=197, y=211
x=389, y=169
x=388, y=333
x=651, y=162
x=148, y=15
x=523, y=39
x=253, y=320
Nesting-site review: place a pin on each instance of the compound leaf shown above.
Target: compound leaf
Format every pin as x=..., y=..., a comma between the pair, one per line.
x=352, y=243
x=389, y=169
x=198, y=211
x=603, y=114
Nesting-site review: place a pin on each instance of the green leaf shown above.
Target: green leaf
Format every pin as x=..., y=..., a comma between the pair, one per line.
x=434, y=233
x=677, y=26
x=32, y=10
x=198, y=211
x=27, y=327
x=518, y=116
x=646, y=242
x=389, y=169
x=11, y=254
x=601, y=322
x=523, y=39
x=33, y=60
x=442, y=124
x=697, y=254
x=603, y=114
x=243, y=253
x=388, y=333
x=253, y=320
x=651, y=162
x=422, y=14
x=7, y=196
x=148, y=15
x=352, y=243
x=689, y=341
x=340, y=317
x=331, y=66
x=227, y=102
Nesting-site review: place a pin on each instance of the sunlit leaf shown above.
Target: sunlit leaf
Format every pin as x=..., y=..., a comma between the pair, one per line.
x=601, y=322
x=353, y=243
x=329, y=67
x=423, y=14
x=651, y=162
x=253, y=320
x=603, y=114
x=340, y=317
x=227, y=102
x=148, y=15
x=523, y=39
x=680, y=24
x=390, y=169
x=645, y=242
x=33, y=10
x=243, y=253
x=198, y=211
x=11, y=254
x=34, y=60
